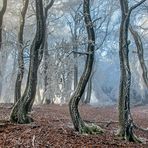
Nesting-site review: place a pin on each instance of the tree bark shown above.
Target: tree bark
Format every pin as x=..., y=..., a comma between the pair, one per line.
x=89, y=89
x=140, y=52
x=20, y=73
x=78, y=123
x=46, y=55
x=2, y=12
x=19, y=113
x=125, y=120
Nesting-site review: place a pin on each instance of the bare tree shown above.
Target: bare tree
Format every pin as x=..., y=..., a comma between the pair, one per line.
x=20, y=73
x=2, y=12
x=125, y=119
x=19, y=113
x=46, y=54
x=140, y=52
x=78, y=123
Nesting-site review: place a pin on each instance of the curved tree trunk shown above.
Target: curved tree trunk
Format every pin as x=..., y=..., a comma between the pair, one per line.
x=78, y=123
x=125, y=120
x=44, y=41
x=140, y=52
x=20, y=73
x=23, y=105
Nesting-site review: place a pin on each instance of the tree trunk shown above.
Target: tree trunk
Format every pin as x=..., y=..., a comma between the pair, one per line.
x=78, y=123
x=75, y=70
x=2, y=12
x=20, y=73
x=140, y=52
x=46, y=55
x=89, y=89
x=75, y=48
x=125, y=120
x=24, y=104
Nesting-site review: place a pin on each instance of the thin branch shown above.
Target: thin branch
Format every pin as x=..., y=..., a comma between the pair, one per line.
x=81, y=53
x=135, y=6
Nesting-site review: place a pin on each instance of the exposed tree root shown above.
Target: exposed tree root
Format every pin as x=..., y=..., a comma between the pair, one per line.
x=140, y=128
x=25, y=120
x=133, y=138
x=20, y=118
x=120, y=135
x=128, y=133
x=91, y=129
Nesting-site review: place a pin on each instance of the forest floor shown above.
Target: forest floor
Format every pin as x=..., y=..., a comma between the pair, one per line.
x=52, y=128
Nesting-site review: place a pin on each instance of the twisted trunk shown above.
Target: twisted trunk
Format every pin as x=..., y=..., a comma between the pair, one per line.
x=78, y=123
x=24, y=104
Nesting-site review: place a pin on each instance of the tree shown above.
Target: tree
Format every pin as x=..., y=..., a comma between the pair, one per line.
x=19, y=113
x=140, y=52
x=46, y=54
x=20, y=73
x=89, y=90
x=75, y=37
x=78, y=123
x=2, y=12
x=125, y=119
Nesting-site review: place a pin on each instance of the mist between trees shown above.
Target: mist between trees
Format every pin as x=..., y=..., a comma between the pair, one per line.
x=72, y=51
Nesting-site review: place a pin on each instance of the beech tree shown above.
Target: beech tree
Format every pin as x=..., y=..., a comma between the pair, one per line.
x=19, y=113
x=78, y=122
x=125, y=119
x=46, y=53
x=140, y=52
x=2, y=12
x=20, y=73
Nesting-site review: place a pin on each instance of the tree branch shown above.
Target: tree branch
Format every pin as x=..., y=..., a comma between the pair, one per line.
x=135, y=6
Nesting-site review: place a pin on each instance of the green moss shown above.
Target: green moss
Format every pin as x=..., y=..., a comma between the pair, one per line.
x=91, y=129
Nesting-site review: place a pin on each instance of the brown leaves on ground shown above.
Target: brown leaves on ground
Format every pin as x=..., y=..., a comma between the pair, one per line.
x=52, y=128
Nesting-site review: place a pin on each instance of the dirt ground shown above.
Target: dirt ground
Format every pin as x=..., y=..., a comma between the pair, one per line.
x=52, y=128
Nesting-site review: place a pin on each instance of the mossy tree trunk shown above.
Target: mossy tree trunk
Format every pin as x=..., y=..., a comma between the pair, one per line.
x=78, y=123
x=20, y=73
x=19, y=113
x=125, y=120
